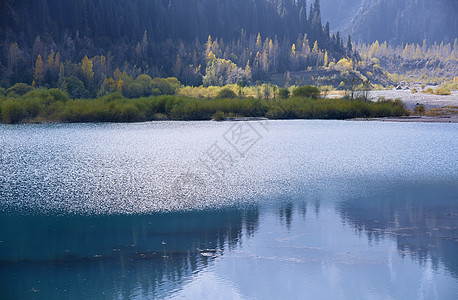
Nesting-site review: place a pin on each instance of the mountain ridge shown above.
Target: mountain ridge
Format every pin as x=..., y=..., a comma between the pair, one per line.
x=395, y=21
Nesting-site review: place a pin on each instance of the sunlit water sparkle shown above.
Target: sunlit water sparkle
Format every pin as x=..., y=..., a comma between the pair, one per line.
x=320, y=209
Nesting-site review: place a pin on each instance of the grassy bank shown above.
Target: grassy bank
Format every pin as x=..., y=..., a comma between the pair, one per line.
x=54, y=106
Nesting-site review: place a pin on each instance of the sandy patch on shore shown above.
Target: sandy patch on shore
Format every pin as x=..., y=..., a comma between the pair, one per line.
x=411, y=100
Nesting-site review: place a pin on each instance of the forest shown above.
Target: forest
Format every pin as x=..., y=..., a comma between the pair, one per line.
x=147, y=49
x=46, y=42
x=90, y=48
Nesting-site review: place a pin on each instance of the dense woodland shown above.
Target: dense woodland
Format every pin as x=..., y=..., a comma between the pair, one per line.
x=90, y=48
x=47, y=41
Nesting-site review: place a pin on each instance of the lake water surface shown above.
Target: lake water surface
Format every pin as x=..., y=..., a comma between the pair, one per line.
x=229, y=210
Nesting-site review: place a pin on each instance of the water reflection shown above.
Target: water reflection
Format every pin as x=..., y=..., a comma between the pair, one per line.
x=314, y=230
x=285, y=213
x=117, y=256
x=423, y=220
x=244, y=250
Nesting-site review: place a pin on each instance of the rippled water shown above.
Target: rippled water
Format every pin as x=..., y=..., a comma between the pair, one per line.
x=277, y=209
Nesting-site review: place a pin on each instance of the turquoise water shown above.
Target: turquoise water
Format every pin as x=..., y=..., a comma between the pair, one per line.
x=257, y=210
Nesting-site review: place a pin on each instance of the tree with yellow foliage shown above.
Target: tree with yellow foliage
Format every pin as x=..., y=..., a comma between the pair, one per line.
x=315, y=47
x=258, y=42
x=86, y=68
x=120, y=86
x=326, y=59
x=38, y=75
x=50, y=60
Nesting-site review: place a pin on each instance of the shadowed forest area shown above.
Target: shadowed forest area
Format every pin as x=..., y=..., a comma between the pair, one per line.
x=249, y=39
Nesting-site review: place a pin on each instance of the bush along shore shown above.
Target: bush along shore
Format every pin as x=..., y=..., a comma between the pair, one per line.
x=52, y=105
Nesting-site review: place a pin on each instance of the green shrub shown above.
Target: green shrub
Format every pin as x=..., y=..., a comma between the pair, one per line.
x=41, y=105
x=134, y=90
x=226, y=94
x=75, y=88
x=20, y=89
x=32, y=107
x=283, y=93
x=174, y=83
x=419, y=109
x=141, y=87
x=167, y=86
x=112, y=97
x=276, y=113
x=307, y=91
x=451, y=85
x=47, y=96
x=12, y=112
x=58, y=95
x=442, y=91
x=428, y=91
x=218, y=116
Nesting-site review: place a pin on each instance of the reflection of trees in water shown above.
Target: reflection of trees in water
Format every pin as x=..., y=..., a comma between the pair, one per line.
x=302, y=208
x=121, y=255
x=285, y=213
x=423, y=220
x=317, y=205
x=251, y=220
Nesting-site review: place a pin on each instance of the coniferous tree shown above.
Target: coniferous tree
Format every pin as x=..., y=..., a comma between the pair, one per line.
x=349, y=46
x=146, y=36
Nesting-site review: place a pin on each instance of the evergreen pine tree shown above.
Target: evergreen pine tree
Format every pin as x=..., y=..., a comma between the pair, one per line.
x=349, y=46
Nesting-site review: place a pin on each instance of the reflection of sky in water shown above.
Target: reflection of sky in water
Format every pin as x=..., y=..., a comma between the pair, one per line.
x=298, y=249
x=326, y=256
x=316, y=209
x=318, y=258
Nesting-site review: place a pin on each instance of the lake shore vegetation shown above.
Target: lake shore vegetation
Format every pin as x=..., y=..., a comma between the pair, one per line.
x=24, y=105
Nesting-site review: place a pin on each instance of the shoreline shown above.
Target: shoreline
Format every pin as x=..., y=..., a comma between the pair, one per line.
x=403, y=119
x=412, y=119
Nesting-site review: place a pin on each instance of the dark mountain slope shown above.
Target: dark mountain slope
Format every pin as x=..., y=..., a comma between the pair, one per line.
x=396, y=21
x=119, y=20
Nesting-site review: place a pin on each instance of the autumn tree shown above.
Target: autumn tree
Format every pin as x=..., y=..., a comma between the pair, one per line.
x=86, y=68
x=326, y=59
x=38, y=75
x=221, y=71
x=315, y=49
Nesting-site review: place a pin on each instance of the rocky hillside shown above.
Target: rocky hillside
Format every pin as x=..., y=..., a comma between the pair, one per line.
x=396, y=21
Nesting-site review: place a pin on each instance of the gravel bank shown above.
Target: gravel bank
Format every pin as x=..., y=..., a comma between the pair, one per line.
x=410, y=100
